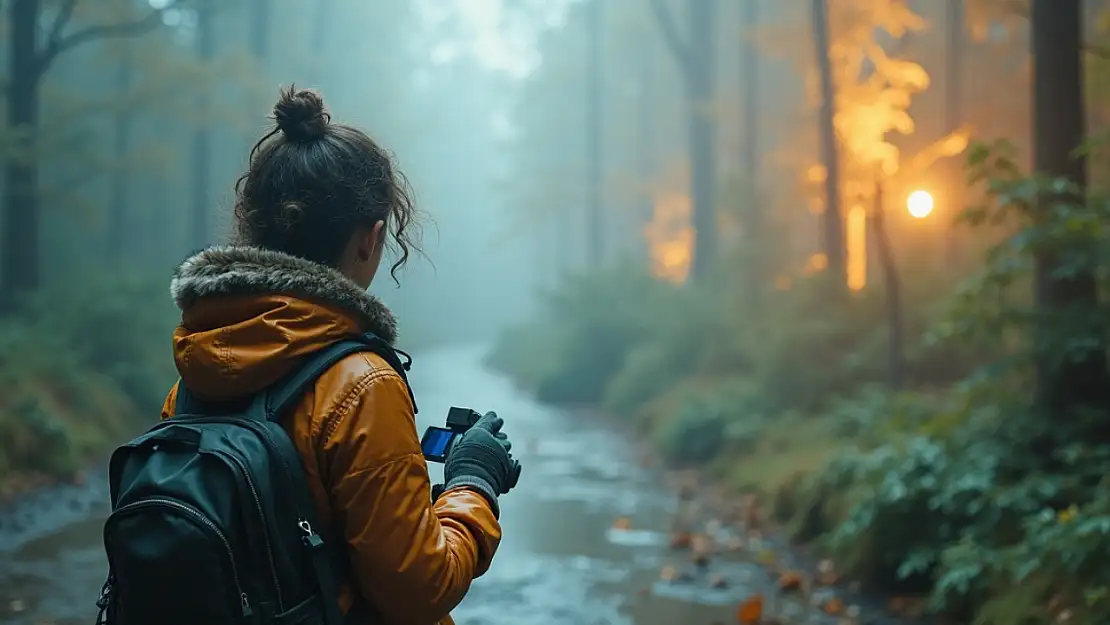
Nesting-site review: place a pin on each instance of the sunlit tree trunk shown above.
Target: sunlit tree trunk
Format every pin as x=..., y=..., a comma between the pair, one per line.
x=1059, y=129
x=696, y=58
x=202, y=136
x=37, y=39
x=830, y=157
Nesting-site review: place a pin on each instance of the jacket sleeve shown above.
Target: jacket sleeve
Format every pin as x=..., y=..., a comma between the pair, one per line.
x=411, y=560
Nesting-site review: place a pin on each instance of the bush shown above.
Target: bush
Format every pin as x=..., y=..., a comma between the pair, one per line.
x=82, y=369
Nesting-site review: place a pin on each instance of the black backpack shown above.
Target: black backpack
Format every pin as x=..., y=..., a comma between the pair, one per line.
x=212, y=519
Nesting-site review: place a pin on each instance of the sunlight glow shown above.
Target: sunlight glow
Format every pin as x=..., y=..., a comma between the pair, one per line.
x=919, y=204
x=857, y=248
x=670, y=237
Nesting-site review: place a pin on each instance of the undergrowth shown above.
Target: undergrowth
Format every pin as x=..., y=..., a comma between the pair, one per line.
x=82, y=367
x=960, y=485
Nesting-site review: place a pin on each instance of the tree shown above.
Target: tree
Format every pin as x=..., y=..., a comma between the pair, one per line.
x=695, y=56
x=119, y=208
x=30, y=59
x=595, y=90
x=1059, y=130
x=753, y=211
x=202, y=136
x=830, y=156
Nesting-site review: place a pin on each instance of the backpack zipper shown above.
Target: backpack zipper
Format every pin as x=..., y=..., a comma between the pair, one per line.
x=244, y=601
x=262, y=516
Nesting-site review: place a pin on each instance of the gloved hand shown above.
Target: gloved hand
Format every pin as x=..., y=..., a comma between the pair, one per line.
x=481, y=460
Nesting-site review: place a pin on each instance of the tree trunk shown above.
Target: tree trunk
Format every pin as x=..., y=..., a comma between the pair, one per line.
x=119, y=210
x=833, y=225
x=700, y=83
x=20, y=271
x=645, y=144
x=1058, y=131
x=753, y=225
x=892, y=287
x=595, y=226
x=953, y=118
x=202, y=138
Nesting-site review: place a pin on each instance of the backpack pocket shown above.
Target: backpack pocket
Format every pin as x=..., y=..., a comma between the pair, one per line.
x=175, y=564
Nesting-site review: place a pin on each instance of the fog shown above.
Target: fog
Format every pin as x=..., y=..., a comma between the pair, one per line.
x=794, y=310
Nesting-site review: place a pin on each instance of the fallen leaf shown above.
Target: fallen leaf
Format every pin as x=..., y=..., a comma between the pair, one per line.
x=750, y=611
x=16, y=605
x=680, y=540
x=833, y=606
x=668, y=574
x=791, y=580
x=622, y=523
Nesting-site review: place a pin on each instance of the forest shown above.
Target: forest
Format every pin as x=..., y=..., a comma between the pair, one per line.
x=846, y=259
x=870, y=283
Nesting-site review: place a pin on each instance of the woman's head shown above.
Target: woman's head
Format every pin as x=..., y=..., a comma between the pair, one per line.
x=324, y=192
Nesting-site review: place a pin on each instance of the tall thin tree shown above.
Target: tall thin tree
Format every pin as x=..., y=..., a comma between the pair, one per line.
x=953, y=109
x=830, y=154
x=202, y=136
x=1059, y=129
x=696, y=59
x=119, y=210
x=37, y=41
x=595, y=90
x=753, y=211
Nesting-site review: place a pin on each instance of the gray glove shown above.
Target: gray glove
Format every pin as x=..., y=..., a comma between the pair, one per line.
x=481, y=460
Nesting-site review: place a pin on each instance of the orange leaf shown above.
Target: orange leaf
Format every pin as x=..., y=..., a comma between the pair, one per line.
x=834, y=606
x=750, y=611
x=791, y=580
x=680, y=540
x=622, y=523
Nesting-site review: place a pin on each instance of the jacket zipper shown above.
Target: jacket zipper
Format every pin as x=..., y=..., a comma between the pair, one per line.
x=262, y=516
x=244, y=601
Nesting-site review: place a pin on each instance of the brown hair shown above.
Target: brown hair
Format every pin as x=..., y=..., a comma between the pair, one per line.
x=311, y=183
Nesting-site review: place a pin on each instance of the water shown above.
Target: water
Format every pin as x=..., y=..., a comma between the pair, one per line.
x=559, y=562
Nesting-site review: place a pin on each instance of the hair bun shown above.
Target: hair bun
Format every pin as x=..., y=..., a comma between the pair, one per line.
x=300, y=114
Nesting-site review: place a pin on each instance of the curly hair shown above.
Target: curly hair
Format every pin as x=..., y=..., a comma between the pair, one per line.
x=311, y=183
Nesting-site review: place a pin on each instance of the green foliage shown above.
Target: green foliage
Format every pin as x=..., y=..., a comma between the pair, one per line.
x=83, y=369
x=994, y=503
x=963, y=485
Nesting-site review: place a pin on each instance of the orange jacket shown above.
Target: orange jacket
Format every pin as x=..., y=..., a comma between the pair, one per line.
x=247, y=316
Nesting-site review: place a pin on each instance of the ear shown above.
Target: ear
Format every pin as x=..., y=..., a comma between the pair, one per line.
x=370, y=242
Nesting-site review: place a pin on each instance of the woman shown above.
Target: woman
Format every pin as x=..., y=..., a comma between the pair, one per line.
x=314, y=212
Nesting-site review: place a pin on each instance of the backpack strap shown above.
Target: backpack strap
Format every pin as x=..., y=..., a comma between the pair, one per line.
x=329, y=560
x=281, y=398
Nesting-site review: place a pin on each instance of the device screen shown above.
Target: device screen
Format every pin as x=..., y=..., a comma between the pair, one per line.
x=436, y=442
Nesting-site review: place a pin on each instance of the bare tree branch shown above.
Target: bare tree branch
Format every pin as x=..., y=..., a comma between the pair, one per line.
x=674, y=41
x=59, y=43
x=61, y=20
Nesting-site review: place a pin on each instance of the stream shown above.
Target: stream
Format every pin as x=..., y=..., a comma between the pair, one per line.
x=560, y=562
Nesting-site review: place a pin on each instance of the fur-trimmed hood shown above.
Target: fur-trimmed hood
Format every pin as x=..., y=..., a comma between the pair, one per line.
x=242, y=270
x=248, y=315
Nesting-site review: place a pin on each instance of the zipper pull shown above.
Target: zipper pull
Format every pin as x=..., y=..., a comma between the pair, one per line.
x=246, y=603
x=310, y=539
